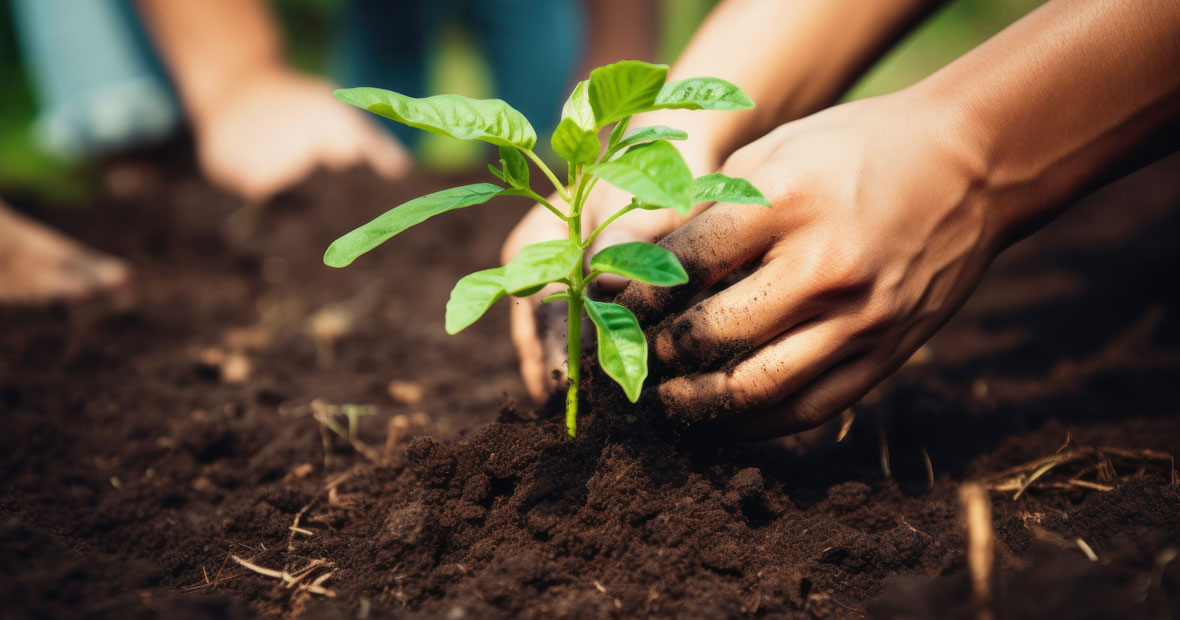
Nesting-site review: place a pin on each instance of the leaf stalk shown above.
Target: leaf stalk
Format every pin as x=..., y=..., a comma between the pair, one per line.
x=620, y=213
x=548, y=173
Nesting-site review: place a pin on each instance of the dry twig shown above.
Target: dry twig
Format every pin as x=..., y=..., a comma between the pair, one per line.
x=292, y=580
x=846, y=420
x=981, y=541
x=296, y=525
x=929, y=470
x=1068, y=469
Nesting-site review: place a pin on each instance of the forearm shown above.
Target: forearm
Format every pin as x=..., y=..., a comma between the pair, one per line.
x=209, y=45
x=792, y=57
x=1061, y=102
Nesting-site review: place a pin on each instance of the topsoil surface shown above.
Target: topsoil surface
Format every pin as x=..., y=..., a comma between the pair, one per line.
x=152, y=437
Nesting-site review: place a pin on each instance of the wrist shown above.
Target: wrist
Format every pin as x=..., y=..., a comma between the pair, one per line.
x=204, y=95
x=969, y=150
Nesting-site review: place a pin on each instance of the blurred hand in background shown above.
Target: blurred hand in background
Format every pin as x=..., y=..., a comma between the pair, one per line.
x=272, y=129
x=39, y=265
x=259, y=126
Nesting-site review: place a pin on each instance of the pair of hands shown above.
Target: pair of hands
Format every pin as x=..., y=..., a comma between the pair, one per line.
x=876, y=236
x=275, y=126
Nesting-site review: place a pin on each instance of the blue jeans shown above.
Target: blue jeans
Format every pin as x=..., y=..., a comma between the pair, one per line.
x=533, y=47
x=97, y=80
x=101, y=87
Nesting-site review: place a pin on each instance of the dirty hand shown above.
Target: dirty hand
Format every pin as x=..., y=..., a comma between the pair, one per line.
x=876, y=236
x=273, y=128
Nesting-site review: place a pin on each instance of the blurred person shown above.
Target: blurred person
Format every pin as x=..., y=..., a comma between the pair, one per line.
x=886, y=211
x=259, y=125
x=96, y=92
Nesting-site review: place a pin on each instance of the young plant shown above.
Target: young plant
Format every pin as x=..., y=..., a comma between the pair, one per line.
x=642, y=162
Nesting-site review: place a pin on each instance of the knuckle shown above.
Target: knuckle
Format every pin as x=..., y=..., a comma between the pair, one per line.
x=749, y=391
x=838, y=270
x=740, y=161
x=685, y=338
x=877, y=315
x=691, y=341
x=738, y=390
x=808, y=412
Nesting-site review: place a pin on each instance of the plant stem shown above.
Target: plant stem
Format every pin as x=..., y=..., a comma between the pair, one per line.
x=575, y=363
x=575, y=328
x=545, y=203
x=549, y=173
x=620, y=213
x=588, y=279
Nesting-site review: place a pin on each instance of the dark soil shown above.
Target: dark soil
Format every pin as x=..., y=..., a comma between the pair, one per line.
x=151, y=436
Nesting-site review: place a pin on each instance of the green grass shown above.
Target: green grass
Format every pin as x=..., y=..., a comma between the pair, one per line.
x=25, y=168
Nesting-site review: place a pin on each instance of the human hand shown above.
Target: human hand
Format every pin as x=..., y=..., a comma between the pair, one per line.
x=878, y=232
x=274, y=127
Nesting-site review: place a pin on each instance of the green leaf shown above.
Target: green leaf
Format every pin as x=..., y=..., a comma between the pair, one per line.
x=622, y=349
x=616, y=134
x=649, y=134
x=472, y=296
x=528, y=291
x=540, y=263
x=640, y=261
x=574, y=144
x=490, y=120
x=655, y=173
x=516, y=169
x=496, y=172
x=577, y=107
x=624, y=88
x=703, y=93
x=717, y=187
x=347, y=248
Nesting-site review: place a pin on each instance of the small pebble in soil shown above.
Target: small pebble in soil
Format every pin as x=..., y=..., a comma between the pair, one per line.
x=405, y=392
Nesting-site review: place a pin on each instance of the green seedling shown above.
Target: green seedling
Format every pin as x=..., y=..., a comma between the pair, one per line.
x=642, y=162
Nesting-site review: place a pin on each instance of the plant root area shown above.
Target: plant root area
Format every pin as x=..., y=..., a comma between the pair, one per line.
x=245, y=432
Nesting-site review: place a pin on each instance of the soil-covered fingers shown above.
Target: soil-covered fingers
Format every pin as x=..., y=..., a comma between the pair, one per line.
x=710, y=246
x=773, y=299
x=836, y=388
x=764, y=377
x=815, y=403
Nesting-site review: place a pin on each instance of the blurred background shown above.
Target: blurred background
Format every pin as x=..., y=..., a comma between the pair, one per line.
x=35, y=163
